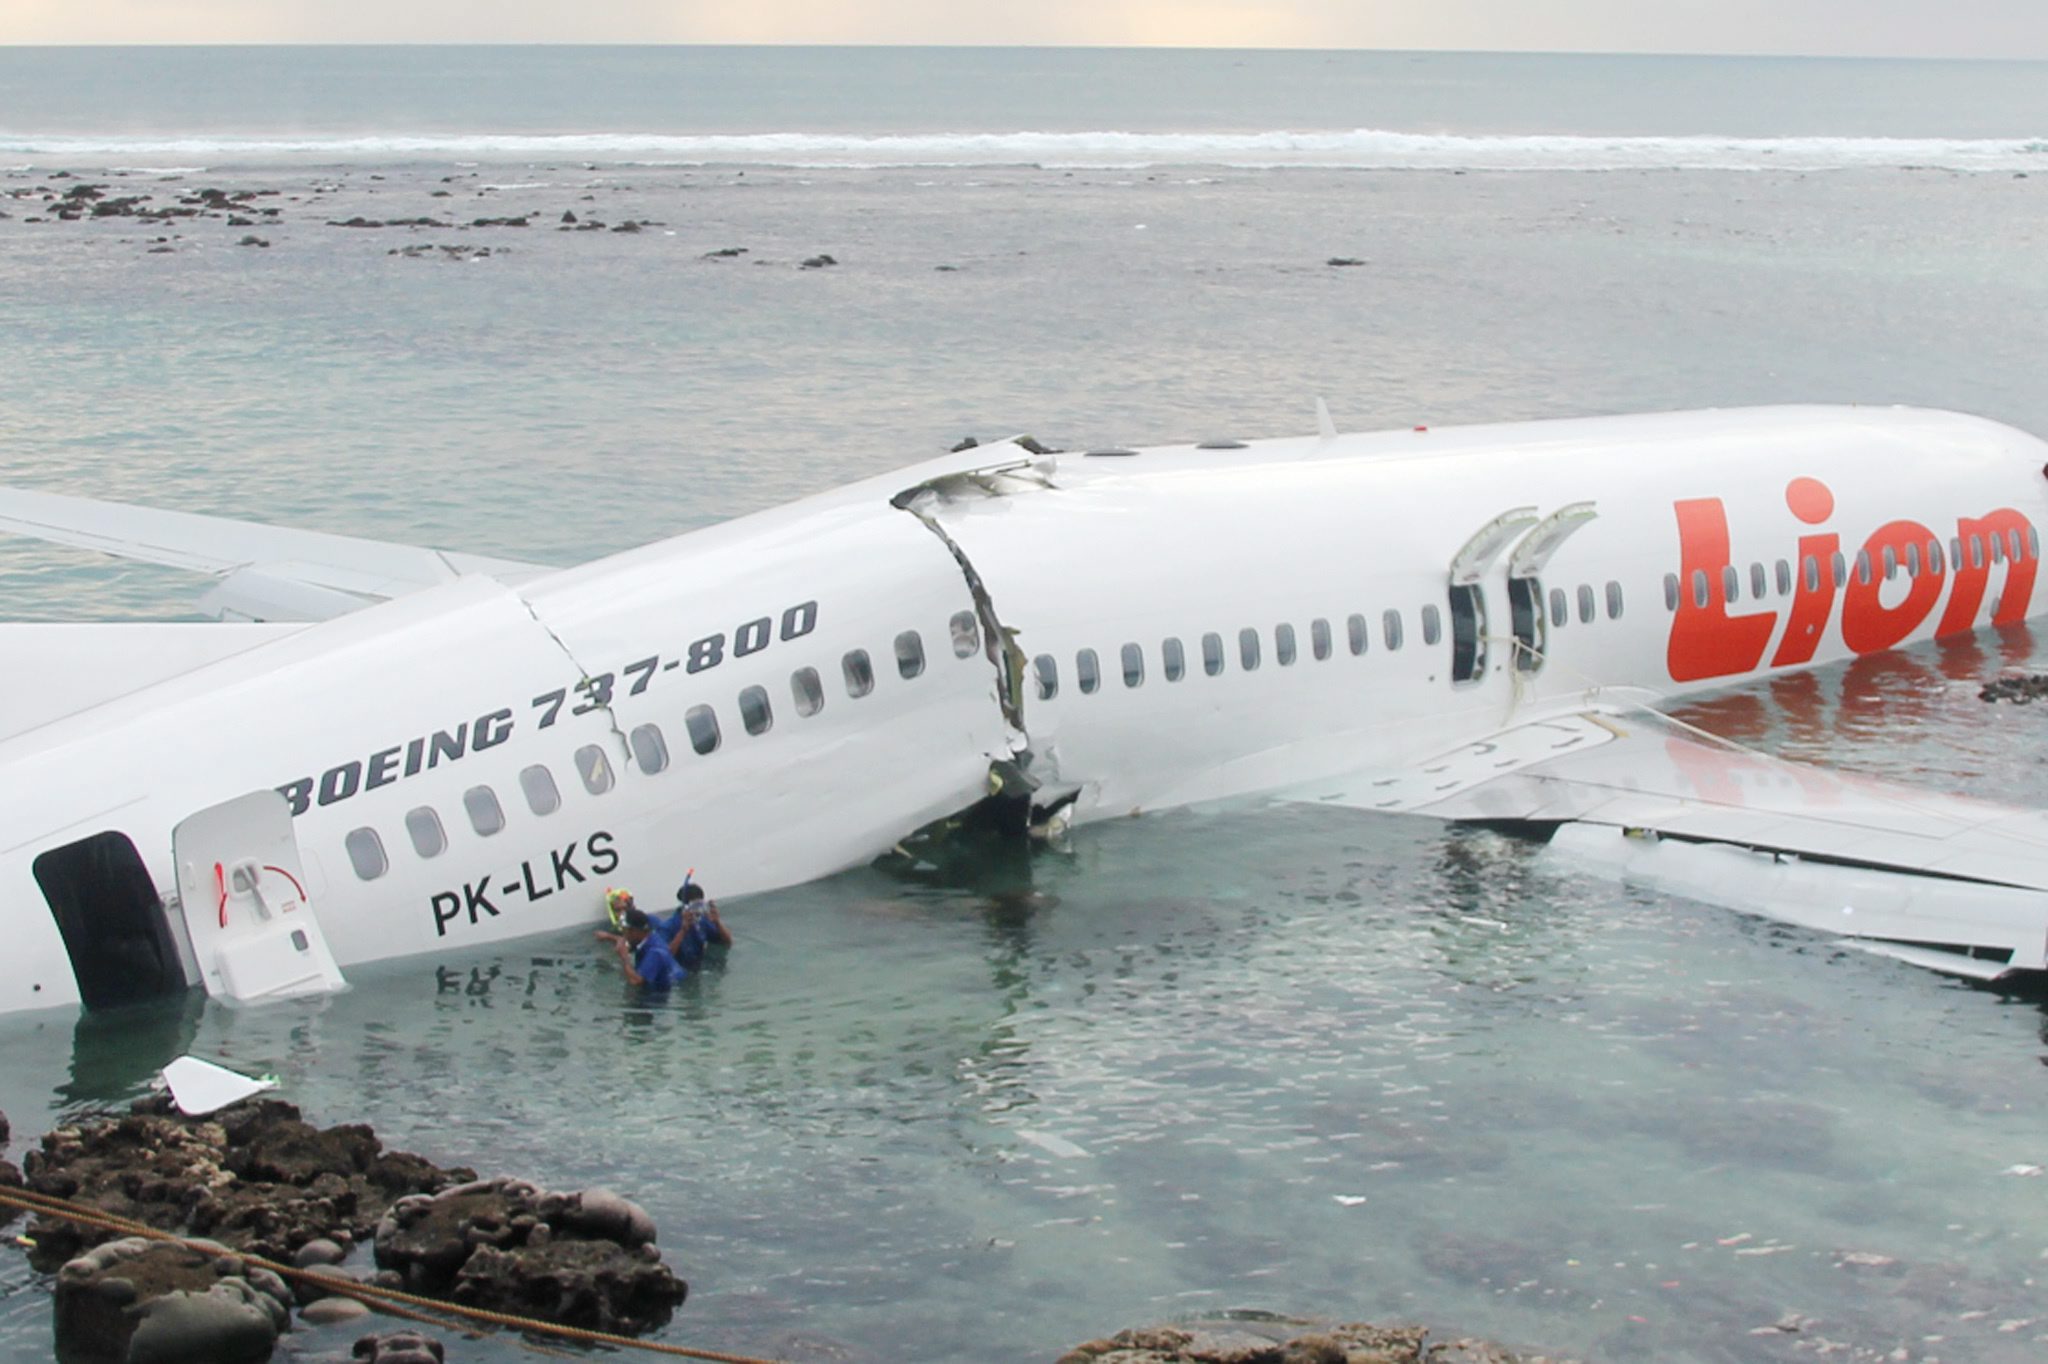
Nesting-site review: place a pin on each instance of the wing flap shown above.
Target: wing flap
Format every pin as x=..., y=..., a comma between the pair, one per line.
x=1846, y=854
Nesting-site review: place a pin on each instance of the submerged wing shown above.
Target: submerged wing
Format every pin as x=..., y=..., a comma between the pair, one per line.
x=1943, y=881
x=266, y=572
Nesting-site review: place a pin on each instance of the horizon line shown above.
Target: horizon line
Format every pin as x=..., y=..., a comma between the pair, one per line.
x=1021, y=47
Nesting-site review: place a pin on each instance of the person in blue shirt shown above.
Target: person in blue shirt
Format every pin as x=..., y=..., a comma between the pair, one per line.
x=644, y=955
x=693, y=926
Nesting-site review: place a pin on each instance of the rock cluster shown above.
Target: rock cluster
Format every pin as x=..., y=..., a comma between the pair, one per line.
x=149, y=1302
x=256, y=1177
x=1280, y=1341
x=582, y=1259
x=398, y=1347
x=2018, y=688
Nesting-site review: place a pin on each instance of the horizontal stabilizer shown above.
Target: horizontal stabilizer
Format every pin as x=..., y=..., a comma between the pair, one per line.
x=268, y=572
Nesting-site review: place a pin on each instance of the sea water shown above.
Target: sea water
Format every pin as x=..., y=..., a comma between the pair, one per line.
x=1256, y=1058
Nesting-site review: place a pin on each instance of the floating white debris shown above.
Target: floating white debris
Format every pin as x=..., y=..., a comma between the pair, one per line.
x=1349, y=1200
x=2021, y=1170
x=200, y=1087
x=1052, y=1145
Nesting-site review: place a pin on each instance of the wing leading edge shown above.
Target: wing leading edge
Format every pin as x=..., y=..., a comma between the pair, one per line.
x=270, y=573
x=1943, y=881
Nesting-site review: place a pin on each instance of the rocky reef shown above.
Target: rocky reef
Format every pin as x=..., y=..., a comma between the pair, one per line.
x=1274, y=1340
x=257, y=1182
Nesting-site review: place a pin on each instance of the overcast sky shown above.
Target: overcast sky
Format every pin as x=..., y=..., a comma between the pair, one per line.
x=1933, y=28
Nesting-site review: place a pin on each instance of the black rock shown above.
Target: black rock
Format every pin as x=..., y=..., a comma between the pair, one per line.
x=584, y=1259
x=725, y=253
x=399, y=1347
x=252, y=240
x=254, y=1176
x=966, y=443
x=1343, y=260
x=2018, y=688
x=137, y=1299
x=818, y=262
x=568, y=216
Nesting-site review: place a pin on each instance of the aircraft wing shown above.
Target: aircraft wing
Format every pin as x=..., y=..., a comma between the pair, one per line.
x=269, y=573
x=1943, y=881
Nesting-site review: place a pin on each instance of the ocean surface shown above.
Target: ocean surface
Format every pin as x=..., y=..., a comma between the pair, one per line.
x=1260, y=1058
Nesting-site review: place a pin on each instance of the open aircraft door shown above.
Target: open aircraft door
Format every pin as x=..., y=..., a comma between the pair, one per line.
x=251, y=926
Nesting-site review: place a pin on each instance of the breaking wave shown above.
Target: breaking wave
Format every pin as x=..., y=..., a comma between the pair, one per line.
x=1360, y=149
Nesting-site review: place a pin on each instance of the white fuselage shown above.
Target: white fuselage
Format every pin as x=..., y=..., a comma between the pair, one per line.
x=477, y=761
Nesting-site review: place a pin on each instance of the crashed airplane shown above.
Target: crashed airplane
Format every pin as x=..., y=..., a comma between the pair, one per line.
x=379, y=750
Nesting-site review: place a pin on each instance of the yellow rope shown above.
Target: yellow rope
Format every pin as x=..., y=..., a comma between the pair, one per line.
x=371, y=1295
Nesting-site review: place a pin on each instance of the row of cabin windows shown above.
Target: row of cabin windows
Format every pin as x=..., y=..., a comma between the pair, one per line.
x=1588, y=604
x=1215, y=652
x=649, y=748
x=1914, y=560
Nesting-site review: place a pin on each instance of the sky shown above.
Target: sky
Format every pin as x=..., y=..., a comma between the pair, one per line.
x=1885, y=28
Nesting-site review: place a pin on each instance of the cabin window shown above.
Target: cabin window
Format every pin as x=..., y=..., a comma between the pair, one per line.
x=537, y=784
x=1134, y=665
x=1891, y=563
x=807, y=691
x=1976, y=551
x=1670, y=598
x=859, y=673
x=1955, y=552
x=1212, y=653
x=1935, y=563
x=1863, y=567
x=1912, y=559
x=1087, y=672
x=650, y=750
x=1759, y=584
x=909, y=654
x=1997, y=548
x=423, y=827
x=1432, y=625
x=366, y=853
x=1731, y=584
x=486, y=816
x=1586, y=601
x=1390, y=627
x=1811, y=567
x=1319, y=638
x=1356, y=631
x=594, y=768
x=1283, y=645
x=1248, y=648
x=1838, y=569
x=1699, y=588
x=1614, y=597
x=755, y=713
x=1047, y=672
x=702, y=722
x=1173, y=660
x=1784, y=578
x=1561, y=611
x=2012, y=545
x=966, y=632
x=2033, y=543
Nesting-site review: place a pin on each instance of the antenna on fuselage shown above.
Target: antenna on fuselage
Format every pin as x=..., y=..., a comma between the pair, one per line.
x=1325, y=428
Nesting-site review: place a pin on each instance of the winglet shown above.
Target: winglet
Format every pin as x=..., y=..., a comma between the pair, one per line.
x=1325, y=428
